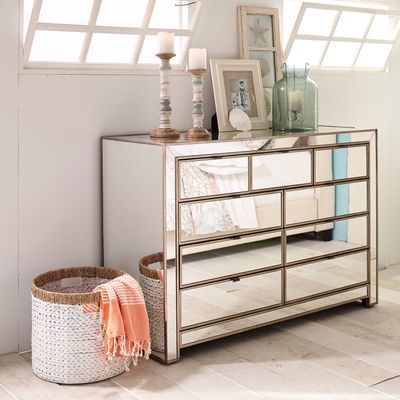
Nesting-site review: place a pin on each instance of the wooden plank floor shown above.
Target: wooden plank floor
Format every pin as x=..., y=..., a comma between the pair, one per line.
x=348, y=353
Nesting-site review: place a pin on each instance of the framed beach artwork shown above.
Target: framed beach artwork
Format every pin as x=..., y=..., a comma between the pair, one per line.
x=259, y=39
x=238, y=84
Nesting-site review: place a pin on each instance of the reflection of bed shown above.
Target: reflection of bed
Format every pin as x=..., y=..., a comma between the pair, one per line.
x=227, y=175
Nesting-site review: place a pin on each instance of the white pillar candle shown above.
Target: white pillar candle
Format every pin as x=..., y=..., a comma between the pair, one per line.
x=197, y=59
x=295, y=100
x=166, y=43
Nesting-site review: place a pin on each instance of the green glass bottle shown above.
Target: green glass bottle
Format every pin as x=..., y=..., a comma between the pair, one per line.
x=295, y=101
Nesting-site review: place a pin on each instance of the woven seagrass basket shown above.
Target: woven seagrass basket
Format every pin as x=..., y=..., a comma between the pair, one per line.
x=65, y=341
x=153, y=291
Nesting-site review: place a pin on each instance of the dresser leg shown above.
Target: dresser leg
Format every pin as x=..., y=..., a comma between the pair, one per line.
x=366, y=303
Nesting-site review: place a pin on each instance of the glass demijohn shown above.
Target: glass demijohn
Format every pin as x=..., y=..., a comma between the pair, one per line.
x=295, y=101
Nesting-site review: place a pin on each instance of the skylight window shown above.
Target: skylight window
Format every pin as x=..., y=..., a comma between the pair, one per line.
x=121, y=34
x=65, y=11
x=332, y=36
x=125, y=13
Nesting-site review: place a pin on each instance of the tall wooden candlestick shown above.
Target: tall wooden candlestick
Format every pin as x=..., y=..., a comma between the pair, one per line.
x=197, y=132
x=164, y=130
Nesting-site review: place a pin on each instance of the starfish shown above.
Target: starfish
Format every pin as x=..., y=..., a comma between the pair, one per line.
x=258, y=32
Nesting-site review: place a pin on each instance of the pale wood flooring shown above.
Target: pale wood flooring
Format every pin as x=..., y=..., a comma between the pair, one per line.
x=346, y=353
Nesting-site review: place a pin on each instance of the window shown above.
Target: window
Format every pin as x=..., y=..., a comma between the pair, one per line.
x=112, y=34
x=341, y=37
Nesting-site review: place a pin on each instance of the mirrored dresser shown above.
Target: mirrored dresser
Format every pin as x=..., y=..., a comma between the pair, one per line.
x=253, y=230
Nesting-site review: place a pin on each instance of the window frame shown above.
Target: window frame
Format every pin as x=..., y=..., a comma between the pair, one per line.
x=81, y=68
x=295, y=35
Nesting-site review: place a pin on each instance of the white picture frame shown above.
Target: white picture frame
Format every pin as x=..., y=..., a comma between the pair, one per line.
x=259, y=39
x=238, y=84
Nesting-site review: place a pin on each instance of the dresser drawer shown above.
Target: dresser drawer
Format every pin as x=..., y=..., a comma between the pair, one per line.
x=275, y=170
x=346, y=235
x=223, y=329
x=215, y=260
x=205, y=177
x=341, y=163
x=216, y=218
x=326, y=275
x=231, y=298
x=330, y=201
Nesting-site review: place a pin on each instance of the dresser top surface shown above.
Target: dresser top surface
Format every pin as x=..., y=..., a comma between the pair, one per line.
x=232, y=136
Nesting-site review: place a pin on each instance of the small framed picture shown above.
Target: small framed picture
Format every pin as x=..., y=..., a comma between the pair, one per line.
x=267, y=66
x=238, y=84
x=260, y=40
x=259, y=29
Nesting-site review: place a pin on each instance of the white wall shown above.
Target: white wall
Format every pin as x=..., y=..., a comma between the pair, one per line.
x=9, y=175
x=390, y=150
x=61, y=119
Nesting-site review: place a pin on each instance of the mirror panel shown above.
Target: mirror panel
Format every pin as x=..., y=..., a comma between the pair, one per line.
x=201, y=263
x=212, y=177
x=229, y=327
x=170, y=306
x=216, y=218
x=276, y=170
x=340, y=163
x=326, y=239
x=326, y=275
x=359, y=168
x=328, y=201
x=226, y=299
x=285, y=141
x=374, y=250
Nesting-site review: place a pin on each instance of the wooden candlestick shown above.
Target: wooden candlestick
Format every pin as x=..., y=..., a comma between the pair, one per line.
x=197, y=132
x=165, y=130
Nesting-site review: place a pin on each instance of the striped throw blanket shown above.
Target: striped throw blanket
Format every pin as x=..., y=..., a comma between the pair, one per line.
x=124, y=322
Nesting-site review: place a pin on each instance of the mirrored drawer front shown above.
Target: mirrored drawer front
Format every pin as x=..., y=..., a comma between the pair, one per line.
x=326, y=275
x=213, y=218
x=340, y=236
x=211, y=177
x=213, y=260
x=340, y=163
x=276, y=170
x=325, y=202
x=226, y=299
x=229, y=327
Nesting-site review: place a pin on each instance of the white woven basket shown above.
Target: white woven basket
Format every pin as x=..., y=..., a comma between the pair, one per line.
x=153, y=291
x=65, y=341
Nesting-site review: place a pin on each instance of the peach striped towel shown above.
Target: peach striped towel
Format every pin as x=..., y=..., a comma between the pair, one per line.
x=123, y=318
